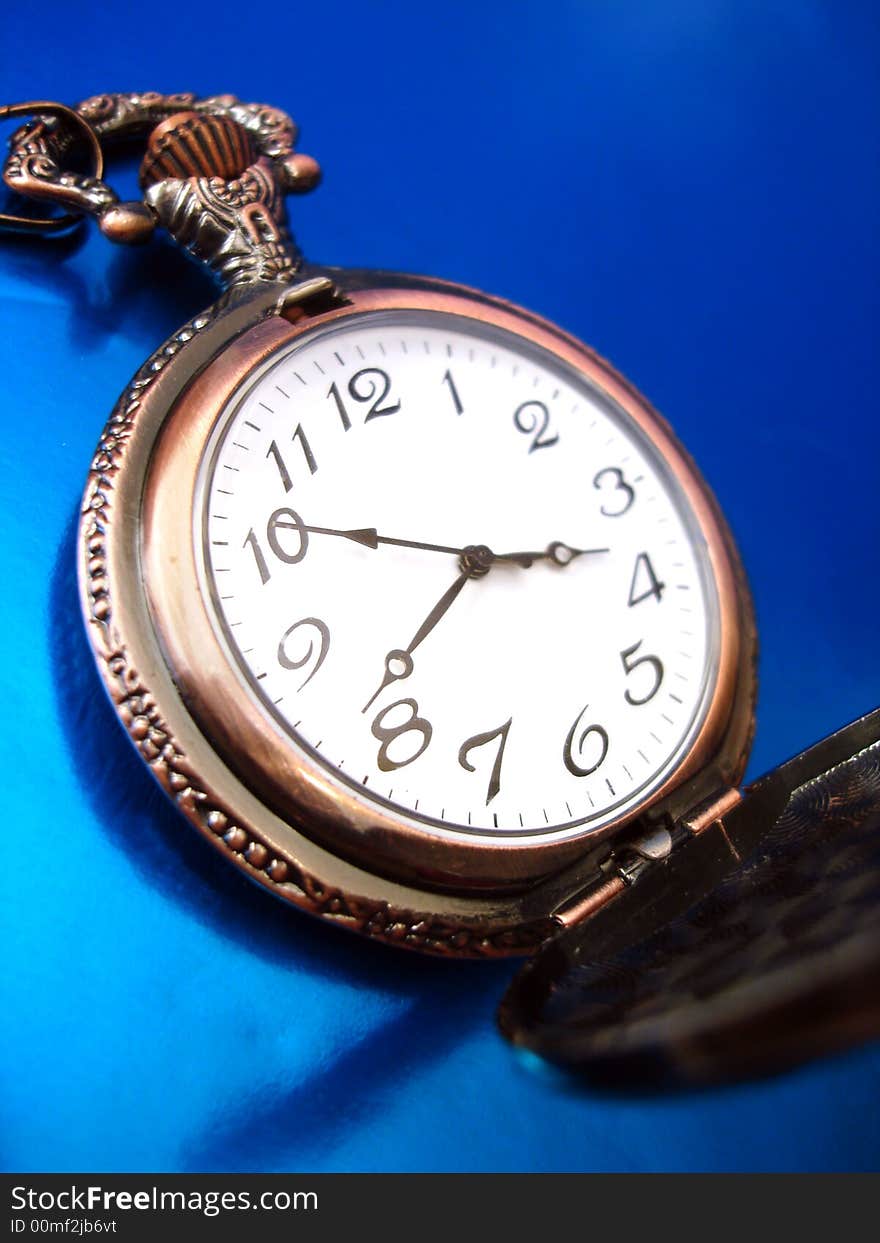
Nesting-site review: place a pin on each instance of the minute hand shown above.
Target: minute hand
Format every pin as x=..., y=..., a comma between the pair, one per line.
x=370, y=538
x=398, y=662
x=438, y=610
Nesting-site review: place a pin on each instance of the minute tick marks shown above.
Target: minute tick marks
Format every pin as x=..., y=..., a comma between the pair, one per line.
x=324, y=595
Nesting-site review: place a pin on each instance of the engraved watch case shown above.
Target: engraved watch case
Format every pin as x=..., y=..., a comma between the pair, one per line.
x=214, y=175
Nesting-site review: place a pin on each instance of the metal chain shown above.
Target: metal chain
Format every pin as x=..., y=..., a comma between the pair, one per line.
x=35, y=166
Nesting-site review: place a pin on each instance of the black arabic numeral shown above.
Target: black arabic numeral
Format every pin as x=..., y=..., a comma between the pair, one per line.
x=274, y=452
x=414, y=724
x=289, y=662
x=620, y=485
x=340, y=406
x=578, y=742
x=287, y=520
x=364, y=387
x=533, y=418
x=480, y=740
x=629, y=665
x=264, y=571
x=370, y=384
x=456, y=400
x=300, y=435
x=643, y=572
x=281, y=520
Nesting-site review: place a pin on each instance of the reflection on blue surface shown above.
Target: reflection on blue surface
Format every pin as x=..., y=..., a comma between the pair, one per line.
x=692, y=188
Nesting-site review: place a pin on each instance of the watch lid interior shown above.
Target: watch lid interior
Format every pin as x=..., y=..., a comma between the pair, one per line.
x=752, y=947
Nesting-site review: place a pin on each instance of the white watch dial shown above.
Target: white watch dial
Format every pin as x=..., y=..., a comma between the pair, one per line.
x=471, y=691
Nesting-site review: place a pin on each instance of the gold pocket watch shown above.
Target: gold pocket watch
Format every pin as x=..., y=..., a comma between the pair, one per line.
x=414, y=606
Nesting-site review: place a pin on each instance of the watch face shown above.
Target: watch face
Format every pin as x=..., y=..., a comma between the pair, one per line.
x=458, y=575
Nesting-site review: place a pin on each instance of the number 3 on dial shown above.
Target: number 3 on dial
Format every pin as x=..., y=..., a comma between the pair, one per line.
x=611, y=479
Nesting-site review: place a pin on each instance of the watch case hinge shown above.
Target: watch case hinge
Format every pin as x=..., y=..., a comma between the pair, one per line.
x=633, y=859
x=711, y=810
x=617, y=871
x=626, y=865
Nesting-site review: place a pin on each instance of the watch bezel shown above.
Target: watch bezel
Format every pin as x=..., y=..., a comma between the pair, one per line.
x=281, y=804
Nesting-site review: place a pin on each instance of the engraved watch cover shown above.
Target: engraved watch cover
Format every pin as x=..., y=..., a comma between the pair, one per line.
x=752, y=948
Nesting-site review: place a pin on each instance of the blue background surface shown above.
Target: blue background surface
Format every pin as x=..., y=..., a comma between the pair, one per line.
x=691, y=187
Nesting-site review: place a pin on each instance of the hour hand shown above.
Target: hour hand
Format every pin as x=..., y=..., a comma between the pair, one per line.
x=559, y=553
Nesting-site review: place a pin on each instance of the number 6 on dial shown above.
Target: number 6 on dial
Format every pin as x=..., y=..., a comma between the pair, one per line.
x=581, y=770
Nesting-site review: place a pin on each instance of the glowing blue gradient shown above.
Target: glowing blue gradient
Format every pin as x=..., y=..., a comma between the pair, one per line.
x=690, y=187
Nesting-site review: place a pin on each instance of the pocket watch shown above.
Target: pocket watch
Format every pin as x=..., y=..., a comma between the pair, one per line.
x=412, y=604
